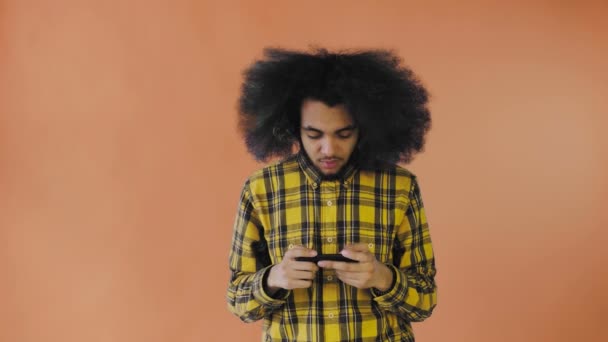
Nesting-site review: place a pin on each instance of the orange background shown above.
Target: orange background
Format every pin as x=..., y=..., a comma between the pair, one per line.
x=121, y=166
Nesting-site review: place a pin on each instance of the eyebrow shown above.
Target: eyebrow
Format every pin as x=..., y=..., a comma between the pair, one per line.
x=338, y=131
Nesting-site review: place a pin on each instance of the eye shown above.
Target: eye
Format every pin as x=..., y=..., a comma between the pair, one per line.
x=345, y=135
x=312, y=133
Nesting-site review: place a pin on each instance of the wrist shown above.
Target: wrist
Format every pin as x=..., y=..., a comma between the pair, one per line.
x=269, y=286
x=386, y=279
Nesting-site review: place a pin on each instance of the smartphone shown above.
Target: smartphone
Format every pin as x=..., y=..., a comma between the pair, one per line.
x=330, y=257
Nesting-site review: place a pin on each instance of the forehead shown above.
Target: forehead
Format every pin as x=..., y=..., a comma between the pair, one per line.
x=318, y=115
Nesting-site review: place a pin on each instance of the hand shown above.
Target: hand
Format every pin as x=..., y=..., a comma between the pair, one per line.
x=368, y=272
x=291, y=274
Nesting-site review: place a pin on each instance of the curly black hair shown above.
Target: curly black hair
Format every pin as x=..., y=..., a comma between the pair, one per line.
x=386, y=100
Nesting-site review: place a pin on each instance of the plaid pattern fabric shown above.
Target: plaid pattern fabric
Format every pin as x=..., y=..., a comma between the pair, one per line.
x=289, y=204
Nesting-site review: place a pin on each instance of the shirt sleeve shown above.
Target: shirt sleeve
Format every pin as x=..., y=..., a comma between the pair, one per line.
x=414, y=293
x=249, y=263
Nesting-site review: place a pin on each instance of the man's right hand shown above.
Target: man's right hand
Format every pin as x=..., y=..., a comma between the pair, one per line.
x=291, y=274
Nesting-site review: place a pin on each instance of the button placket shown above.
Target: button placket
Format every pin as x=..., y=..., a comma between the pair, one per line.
x=329, y=216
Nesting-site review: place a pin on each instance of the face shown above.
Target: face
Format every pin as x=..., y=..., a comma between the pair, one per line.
x=328, y=135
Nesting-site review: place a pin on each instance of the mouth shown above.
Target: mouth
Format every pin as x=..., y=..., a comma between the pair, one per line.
x=329, y=163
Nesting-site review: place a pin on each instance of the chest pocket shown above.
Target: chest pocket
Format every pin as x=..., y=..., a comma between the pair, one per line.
x=379, y=241
x=380, y=219
x=285, y=237
x=376, y=226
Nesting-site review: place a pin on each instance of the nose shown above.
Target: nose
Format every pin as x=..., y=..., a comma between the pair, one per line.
x=328, y=147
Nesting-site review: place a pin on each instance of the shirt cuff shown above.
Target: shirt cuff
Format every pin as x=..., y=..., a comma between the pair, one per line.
x=260, y=294
x=396, y=293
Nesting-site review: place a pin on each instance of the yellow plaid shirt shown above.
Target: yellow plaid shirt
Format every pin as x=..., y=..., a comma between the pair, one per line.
x=289, y=204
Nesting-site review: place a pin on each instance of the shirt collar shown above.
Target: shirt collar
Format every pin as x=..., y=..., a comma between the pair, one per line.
x=315, y=177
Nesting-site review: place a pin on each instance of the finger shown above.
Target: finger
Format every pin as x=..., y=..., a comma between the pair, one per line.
x=354, y=268
x=346, y=278
x=360, y=256
x=305, y=266
x=353, y=279
x=326, y=264
x=338, y=265
x=303, y=275
x=300, y=251
x=352, y=275
x=301, y=284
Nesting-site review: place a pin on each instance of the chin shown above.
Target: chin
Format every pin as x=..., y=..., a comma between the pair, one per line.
x=330, y=175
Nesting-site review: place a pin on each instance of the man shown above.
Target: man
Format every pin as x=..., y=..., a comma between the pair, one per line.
x=341, y=122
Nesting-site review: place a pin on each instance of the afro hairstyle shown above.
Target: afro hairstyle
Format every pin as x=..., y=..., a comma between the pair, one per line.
x=385, y=99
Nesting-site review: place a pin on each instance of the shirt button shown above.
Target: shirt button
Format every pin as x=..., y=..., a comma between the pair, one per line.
x=331, y=315
x=330, y=239
x=330, y=278
x=329, y=203
x=314, y=185
x=290, y=246
x=371, y=245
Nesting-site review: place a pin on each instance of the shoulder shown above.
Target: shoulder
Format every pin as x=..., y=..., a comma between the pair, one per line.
x=260, y=179
x=407, y=179
x=403, y=172
x=390, y=177
x=398, y=173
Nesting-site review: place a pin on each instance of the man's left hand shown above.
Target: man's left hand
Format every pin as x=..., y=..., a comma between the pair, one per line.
x=366, y=273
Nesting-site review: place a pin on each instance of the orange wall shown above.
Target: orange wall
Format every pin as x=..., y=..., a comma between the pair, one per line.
x=120, y=163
